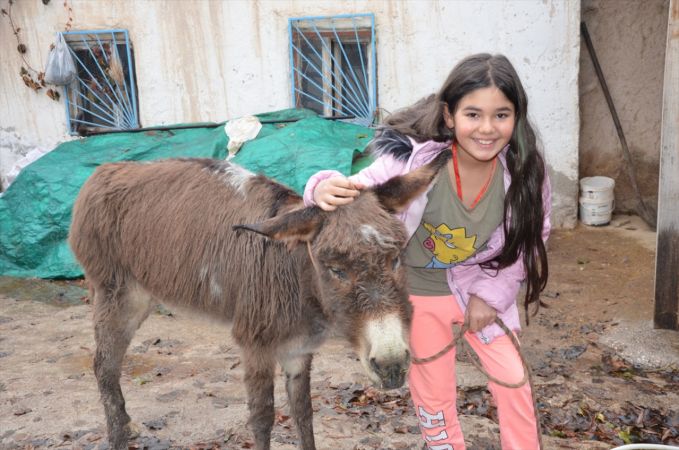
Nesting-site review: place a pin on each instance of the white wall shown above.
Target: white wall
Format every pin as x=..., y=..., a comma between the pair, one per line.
x=199, y=60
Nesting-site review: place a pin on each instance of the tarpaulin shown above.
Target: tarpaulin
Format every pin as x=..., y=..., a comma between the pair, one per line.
x=35, y=212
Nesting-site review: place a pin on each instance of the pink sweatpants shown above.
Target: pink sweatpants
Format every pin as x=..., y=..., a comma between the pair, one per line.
x=433, y=385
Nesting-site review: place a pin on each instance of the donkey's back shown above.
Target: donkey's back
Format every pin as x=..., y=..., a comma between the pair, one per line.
x=165, y=228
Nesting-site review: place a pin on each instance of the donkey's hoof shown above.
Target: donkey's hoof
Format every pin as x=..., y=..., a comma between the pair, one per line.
x=133, y=430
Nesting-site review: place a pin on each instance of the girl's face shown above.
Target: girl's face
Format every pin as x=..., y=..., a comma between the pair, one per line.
x=483, y=122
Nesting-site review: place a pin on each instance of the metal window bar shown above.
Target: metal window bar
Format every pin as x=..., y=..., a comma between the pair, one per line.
x=104, y=95
x=360, y=52
x=123, y=109
x=349, y=105
x=353, y=96
x=117, y=109
x=127, y=95
x=327, y=81
x=118, y=106
x=362, y=89
x=333, y=70
x=351, y=99
x=98, y=90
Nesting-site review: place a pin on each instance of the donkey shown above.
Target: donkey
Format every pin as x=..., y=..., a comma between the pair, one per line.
x=217, y=239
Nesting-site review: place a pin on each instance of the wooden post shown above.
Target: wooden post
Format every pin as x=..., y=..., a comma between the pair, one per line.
x=667, y=246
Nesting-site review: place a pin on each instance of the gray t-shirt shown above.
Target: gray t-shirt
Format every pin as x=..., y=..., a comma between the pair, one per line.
x=450, y=232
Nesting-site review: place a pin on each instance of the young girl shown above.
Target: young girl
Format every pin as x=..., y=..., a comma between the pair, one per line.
x=475, y=236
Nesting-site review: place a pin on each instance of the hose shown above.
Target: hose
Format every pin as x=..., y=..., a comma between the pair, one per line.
x=646, y=447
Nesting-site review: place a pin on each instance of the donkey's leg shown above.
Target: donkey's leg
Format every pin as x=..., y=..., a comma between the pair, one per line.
x=297, y=373
x=118, y=313
x=259, y=381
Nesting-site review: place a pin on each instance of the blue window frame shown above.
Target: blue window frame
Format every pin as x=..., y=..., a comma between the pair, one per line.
x=104, y=96
x=333, y=65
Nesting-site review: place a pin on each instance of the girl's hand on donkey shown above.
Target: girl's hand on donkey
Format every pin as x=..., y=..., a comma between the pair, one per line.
x=336, y=191
x=479, y=314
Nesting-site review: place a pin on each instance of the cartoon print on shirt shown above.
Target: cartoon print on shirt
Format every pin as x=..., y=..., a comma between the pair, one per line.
x=448, y=246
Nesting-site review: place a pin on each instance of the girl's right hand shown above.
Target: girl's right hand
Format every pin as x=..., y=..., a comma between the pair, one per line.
x=336, y=191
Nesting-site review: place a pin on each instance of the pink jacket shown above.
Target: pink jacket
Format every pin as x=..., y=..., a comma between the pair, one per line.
x=497, y=290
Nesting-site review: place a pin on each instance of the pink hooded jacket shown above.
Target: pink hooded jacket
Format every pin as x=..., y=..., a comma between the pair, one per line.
x=498, y=290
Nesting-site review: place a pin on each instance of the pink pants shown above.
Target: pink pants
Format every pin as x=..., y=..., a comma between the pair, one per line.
x=433, y=385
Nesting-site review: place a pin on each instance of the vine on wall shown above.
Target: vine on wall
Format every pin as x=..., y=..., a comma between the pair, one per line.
x=32, y=78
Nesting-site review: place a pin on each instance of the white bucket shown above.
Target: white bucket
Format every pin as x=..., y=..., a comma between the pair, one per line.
x=596, y=213
x=596, y=200
x=597, y=189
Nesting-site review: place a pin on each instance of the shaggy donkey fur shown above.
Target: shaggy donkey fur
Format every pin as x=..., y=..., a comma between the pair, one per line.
x=218, y=239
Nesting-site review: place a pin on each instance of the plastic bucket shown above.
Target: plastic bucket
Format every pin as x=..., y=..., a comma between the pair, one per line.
x=596, y=213
x=597, y=189
x=596, y=200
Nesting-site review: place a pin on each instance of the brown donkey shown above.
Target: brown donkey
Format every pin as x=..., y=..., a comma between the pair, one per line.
x=215, y=238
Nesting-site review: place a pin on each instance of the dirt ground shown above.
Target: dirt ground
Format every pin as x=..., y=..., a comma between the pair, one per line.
x=182, y=375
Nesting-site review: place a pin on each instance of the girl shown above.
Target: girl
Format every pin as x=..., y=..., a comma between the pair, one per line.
x=475, y=236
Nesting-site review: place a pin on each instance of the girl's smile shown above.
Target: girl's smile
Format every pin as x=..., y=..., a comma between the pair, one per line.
x=483, y=123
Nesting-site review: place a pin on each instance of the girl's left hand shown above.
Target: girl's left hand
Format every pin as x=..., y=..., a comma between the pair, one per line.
x=479, y=314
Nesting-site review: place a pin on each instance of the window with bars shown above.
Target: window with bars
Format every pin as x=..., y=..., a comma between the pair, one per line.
x=104, y=95
x=333, y=65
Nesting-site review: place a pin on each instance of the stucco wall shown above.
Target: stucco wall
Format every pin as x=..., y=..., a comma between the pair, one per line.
x=629, y=38
x=215, y=60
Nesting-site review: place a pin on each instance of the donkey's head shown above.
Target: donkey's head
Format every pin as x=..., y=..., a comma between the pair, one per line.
x=355, y=253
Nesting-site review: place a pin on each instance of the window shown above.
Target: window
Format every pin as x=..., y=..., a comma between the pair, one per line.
x=333, y=66
x=104, y=95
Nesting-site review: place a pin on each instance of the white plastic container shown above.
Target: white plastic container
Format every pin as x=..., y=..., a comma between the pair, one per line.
x=597, y=189
x=597, y=200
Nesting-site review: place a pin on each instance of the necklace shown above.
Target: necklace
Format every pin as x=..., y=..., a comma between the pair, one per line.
x=458, y=182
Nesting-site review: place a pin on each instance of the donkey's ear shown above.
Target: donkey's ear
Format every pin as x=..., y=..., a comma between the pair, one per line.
x=397, y=193
x=298, y=225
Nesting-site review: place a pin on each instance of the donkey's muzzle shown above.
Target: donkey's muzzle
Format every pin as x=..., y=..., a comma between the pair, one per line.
x=392, y=374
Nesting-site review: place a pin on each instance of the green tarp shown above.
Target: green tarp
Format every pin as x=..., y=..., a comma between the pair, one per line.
x=35, y=212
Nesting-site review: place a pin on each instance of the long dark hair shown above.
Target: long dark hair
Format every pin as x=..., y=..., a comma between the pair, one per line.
x=523, y=207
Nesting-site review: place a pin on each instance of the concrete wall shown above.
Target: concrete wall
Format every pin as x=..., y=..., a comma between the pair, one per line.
x=216, y=60
x=629, y=38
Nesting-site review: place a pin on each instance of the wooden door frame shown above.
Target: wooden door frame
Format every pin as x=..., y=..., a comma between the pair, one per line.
x=667, y=244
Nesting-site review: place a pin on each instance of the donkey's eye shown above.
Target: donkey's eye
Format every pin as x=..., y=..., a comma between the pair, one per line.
x=396, y=263
x=339, y=273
